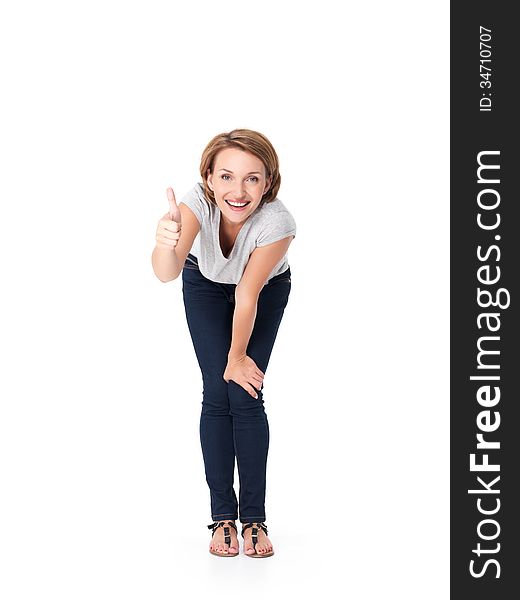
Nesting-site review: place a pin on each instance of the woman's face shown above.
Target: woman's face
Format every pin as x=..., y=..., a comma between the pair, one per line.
x=238, y=177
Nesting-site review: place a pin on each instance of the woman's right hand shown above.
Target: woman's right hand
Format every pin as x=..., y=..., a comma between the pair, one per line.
x=244, y=371
x=169, y=227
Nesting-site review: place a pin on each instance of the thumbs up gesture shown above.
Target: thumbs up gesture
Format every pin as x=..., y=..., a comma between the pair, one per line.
x=169, y=227
x=175, y=213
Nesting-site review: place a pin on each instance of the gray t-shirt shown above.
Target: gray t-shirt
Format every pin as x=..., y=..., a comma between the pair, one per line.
x=267, y=224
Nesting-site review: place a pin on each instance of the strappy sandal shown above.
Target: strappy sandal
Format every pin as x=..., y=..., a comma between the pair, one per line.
x=227, y=538
x=254, y=539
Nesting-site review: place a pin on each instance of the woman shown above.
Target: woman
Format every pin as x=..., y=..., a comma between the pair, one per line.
x=229, y=237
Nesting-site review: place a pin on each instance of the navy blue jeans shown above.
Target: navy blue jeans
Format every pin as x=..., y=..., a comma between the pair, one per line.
x=232, y=422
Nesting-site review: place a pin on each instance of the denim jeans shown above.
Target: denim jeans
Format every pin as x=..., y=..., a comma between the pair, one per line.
x=232, y=422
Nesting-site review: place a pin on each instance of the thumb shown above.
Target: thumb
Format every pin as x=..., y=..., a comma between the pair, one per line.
x=175, y=213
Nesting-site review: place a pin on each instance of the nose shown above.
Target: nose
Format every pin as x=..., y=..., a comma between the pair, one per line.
x=239, y=190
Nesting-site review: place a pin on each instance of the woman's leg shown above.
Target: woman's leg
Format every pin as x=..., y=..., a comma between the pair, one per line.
x=250, y=425
x=209, y=313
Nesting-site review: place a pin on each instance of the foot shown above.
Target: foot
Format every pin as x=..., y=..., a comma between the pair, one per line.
x=262, y=546
x=217, y=541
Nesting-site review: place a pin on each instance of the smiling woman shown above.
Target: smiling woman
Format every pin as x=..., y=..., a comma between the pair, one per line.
x=229, y=236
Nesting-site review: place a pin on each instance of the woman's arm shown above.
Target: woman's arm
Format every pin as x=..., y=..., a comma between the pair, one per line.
x=243, y=322
x=261, y=262
x=240, y=368
x=168, y=264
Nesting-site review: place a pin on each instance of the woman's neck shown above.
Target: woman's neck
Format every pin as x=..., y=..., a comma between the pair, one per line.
x=228, y=226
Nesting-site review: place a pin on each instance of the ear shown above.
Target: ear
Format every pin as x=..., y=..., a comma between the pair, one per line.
x=267, y=185
x=210, y=180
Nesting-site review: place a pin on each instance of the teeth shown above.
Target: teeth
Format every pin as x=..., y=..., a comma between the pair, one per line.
x=236, y=203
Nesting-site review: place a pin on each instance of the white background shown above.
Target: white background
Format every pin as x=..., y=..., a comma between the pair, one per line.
x=105, y=105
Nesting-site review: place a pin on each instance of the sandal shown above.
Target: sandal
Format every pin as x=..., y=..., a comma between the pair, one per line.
x=254, y=539
x=227, y=538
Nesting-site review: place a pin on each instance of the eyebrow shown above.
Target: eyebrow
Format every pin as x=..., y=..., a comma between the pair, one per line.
x=250, y=172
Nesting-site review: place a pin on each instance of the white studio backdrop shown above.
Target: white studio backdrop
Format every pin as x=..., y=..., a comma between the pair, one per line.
x=105, y=105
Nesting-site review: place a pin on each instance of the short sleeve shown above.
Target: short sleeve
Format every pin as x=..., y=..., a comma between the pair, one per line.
x=280, y=226
x=195, y=200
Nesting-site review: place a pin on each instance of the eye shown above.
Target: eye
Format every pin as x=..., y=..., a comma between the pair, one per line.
x=253, y=177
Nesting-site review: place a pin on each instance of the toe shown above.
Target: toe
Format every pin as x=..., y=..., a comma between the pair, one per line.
x=234, y=546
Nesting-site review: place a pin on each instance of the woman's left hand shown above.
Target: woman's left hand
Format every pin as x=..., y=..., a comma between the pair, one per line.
x=243, y=370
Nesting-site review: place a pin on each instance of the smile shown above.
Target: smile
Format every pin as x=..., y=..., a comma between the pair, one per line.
x=236, y=205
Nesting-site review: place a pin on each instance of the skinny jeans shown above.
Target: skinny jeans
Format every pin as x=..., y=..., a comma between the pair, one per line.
x=233, y=424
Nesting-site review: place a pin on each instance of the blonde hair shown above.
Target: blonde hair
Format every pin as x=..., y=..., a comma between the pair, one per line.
x=250, y=141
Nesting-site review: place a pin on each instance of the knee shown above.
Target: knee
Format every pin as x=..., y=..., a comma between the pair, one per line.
x=242, y=404
x=215, y=396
